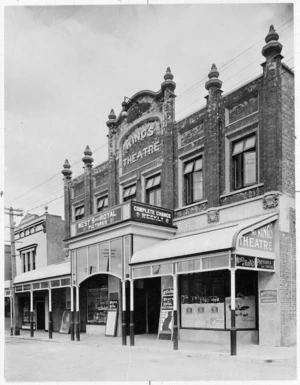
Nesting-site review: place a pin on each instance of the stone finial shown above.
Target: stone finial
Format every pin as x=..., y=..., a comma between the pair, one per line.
x=168, y=74
x=213, y=78
x=46, y=209
x=272, y=35
x=111, y=120
x=168, y=81
x=273, y=46
x=88, y=159
x=66, y=170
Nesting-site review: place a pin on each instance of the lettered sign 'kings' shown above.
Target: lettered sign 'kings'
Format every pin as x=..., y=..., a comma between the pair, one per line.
x=260, y=239
x=141, y=143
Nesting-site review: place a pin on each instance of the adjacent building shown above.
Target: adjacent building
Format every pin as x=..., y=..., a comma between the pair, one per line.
x=42, y=282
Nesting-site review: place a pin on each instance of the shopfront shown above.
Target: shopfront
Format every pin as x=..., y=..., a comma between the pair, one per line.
x=215, y=275
x=101, y=247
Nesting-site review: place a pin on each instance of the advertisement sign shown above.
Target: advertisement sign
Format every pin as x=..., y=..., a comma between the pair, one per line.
x=150, y=214
x=268, y=296
x=99, y=220
x=204, y=315
x=165, y=328
x=243, y=261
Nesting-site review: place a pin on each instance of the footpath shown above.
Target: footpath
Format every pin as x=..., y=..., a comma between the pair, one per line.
x=284, y=356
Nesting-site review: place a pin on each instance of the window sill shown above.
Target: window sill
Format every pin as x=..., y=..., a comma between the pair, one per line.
x=242, y=190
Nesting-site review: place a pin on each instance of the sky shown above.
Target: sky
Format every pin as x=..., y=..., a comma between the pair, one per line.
x=65, y=67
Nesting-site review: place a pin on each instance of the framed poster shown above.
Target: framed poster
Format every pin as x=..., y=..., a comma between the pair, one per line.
x=65, y=322
x=112, y=319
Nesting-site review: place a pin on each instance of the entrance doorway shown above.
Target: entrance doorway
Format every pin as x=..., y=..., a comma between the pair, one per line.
x=40, y=314
x=147, y=299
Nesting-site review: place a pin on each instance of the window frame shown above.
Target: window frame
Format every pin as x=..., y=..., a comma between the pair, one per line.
x=188, y=180
x=104, y=199
x=238, y=164
x=131, y=195
x=79, y=207
x=153, y=185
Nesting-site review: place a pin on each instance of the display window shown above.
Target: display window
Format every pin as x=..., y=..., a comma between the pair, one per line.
x=97, y=306
x=205, y=300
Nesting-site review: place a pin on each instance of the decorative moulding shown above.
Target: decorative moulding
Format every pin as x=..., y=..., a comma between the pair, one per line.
x=270, y=199
x=212, y=215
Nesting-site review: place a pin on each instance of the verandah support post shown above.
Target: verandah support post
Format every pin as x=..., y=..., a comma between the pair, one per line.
x=124, y=313
x=175, y=324
x=72, y=314
x=31, y=314
x=233, y=326
x=131, y=312
x=50, y=314
x=77, y=318
x=11, y=315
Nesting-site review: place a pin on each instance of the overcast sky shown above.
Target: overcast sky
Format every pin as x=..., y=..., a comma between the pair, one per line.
x=67, y=66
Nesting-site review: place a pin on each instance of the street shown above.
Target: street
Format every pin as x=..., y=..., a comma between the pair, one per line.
x=33, y=360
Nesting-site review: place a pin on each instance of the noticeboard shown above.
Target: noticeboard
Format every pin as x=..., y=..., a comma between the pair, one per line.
x=112, y=319
x=268, y=296
x=65, y=322
x=165, y=328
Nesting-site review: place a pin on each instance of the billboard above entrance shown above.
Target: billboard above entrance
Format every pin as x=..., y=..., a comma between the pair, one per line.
x=135, y=211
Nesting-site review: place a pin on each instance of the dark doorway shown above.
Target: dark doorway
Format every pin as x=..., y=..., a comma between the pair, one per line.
x=147, y=298
x=40, y=314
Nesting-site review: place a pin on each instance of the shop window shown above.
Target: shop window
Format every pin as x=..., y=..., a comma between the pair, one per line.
x=79, y=212
x=97, y=305
x=244, y=167
x=102, y=203
x=205, y=300
x=129, y=193
x=153, y=190
x=193, y=181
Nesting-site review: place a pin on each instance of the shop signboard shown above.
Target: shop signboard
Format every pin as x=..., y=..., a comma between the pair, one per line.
x=99, y=220
x=268, y=296
x=65, y=322
x=265, y=263
x=150, y=214
x=244, y=261
x=165, y=331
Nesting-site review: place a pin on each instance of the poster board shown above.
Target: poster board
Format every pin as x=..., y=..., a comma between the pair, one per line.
x=65, y=322
x=112, y=318
x=165, y=327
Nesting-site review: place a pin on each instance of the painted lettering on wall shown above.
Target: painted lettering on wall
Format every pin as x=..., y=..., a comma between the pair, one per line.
x=146, y=134
x=260, y=239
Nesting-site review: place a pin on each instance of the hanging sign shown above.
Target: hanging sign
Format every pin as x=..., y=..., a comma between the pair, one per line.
x=149, y=214
x=165, y=328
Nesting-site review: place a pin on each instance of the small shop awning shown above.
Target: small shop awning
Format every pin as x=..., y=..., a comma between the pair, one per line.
x=51, y=271
x=209, y=242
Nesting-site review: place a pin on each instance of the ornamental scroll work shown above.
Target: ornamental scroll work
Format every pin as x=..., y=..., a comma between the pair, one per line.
x=141, y=143
x=270, y=200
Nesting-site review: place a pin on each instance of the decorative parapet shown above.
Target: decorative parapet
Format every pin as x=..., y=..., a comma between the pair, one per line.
x=270, y=199
x=200, y=207
x=241, y=195
x=213, y=215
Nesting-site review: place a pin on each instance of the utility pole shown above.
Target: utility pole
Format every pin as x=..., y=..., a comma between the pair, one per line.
x=15, y=330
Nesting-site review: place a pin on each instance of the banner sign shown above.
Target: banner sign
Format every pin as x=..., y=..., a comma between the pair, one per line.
x=165, y=328
x=259, y=239
x=268, y=296
x=100, y=220
x=150, y=214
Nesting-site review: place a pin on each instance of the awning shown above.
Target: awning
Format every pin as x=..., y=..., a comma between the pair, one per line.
x=51, y=271
x=209, y=242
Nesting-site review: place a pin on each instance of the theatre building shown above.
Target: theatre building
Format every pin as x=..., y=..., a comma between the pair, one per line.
x=188, y=229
